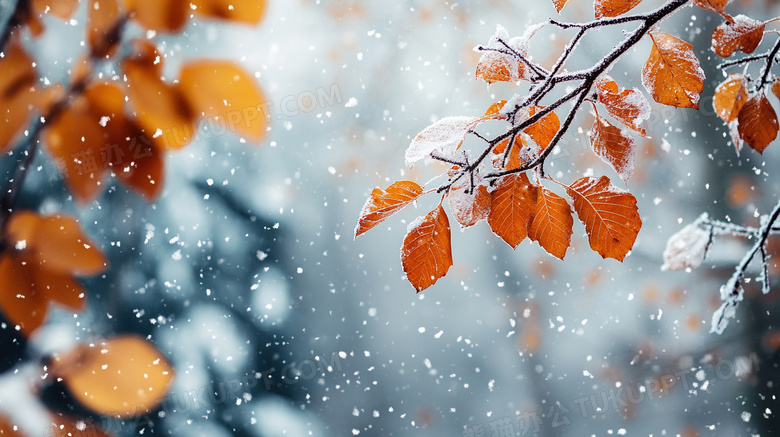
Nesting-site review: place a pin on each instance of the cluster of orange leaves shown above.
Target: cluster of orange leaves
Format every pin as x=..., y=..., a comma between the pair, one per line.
x=128, y=125
x=516, y=207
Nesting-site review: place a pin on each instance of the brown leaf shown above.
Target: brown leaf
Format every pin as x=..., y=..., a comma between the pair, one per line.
x=125, y=376
x=610, y=215
x=629, y=107
x=426, y=254
x=222, y=89
x=62, y=9
x=730, y=96
x=544, y=129
x=43, y=255
x=102, y=30
x=511, y=208
x=672, y=73
x=552, y=223
x=94, y=136
x=758, y=124
x=743, y=34
x=246, y=11
x=17, y=91
x=614, y=146
x=468, y=208
x=498, y=67
x=717, y=6
x=383, y=204
x=559, y=4
x=613, y=8
x=159, y=15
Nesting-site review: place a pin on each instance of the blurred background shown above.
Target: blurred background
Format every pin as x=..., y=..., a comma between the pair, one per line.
x=245, y=270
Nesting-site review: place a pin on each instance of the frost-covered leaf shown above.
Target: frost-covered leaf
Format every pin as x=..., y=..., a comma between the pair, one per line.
x=383, y=204
x=613, y=8
x=610, y=215
x=672, y=73
x=776, y=87
x=500, y=65
x=124, y=377
x=757, y=122
x=494, y=111
x=552, y=223
x=559, y=4
x=468, y=208
x=730, y=96
x=444, y=136
x=426, y=254
x=688, y=247
x=630, y=107
x=512, y=206
x=743, y=34
x=614, y=146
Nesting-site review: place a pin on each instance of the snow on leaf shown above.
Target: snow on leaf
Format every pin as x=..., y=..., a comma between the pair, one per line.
x=736, y=139
x=512, y=206
x=610, y=215
x=614, y=146
x=426, y=254
x=757, y=122
x=743, y=34
x=495, y=66
x=688, y=247
x=494, y=111
x=776, y=87
x=672, y=74
x=613, y=8
x=730, y=96
x=552, y=223
x=383, y=204
x=444, y=136
x=630, y=107
x=468, y=208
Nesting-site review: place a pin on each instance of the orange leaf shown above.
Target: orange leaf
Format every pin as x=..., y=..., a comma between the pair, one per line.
x=498, y=67
x=21, y=301
x=125, y=376
x=221, y=89
x=159, y=15
x=629, y=107
x=758, y=122
x=511, y=207
x=613, y=8
x=552, y=223
x=559, y=4
x=426, y=254
x=8, y=430
x=672, y=73
x=730, y=96
x=17, y=92
x=56, y=243
x=102, y=31
x=495, y=108
x=717, y=6
x=63, y=9
x=614, y=146
x=469, y=208
x=743, y=34
x=247, y=11
x=544, y=129
x=610, y=215
x=383, y=204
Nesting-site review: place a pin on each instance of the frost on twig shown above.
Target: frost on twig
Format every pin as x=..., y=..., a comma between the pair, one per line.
x=688, y=249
